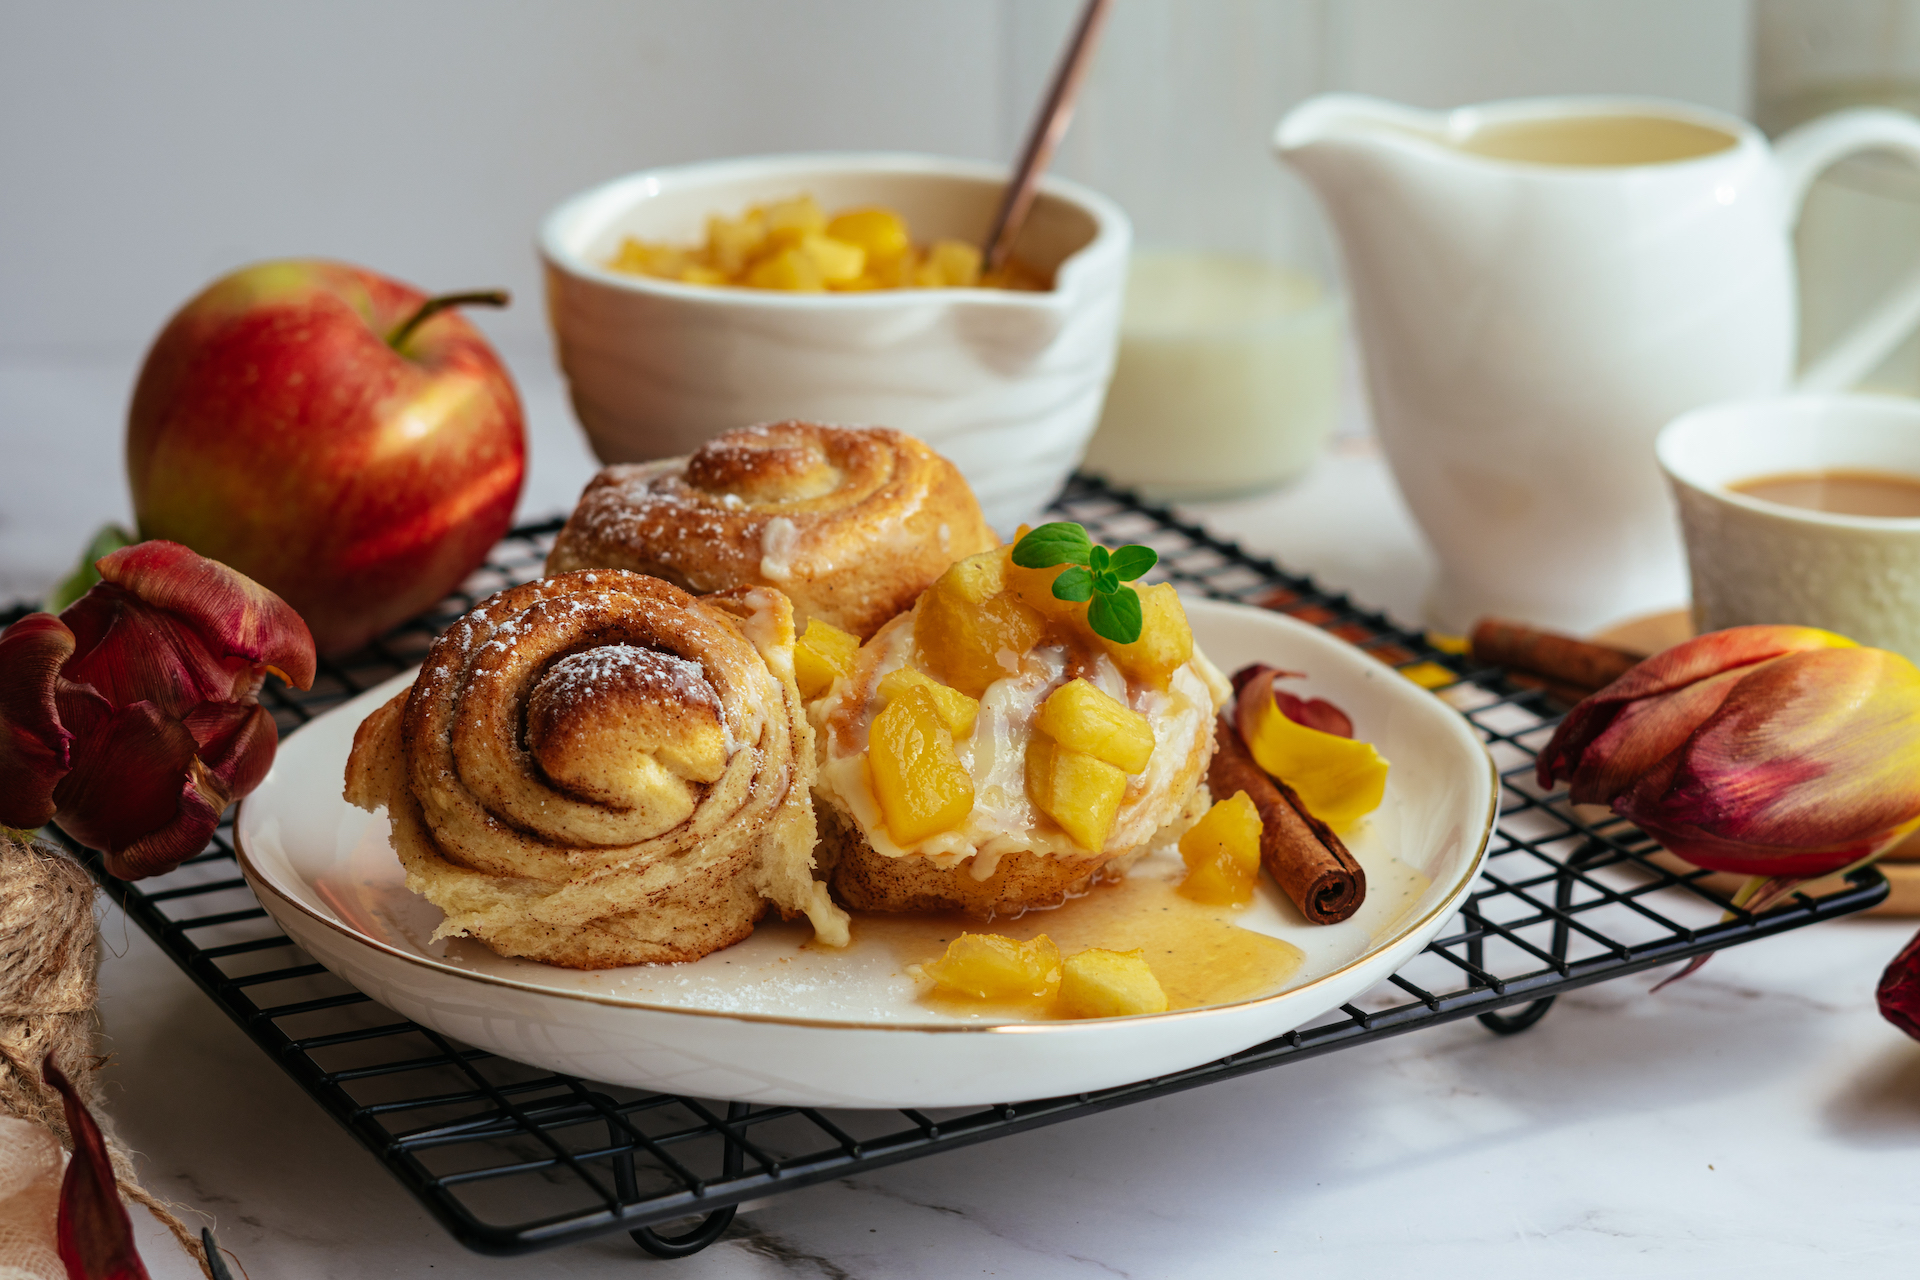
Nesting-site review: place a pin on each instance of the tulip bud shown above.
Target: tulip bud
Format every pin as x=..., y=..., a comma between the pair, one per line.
x=1766, y=751
x=132, y=718
x=1900, y=990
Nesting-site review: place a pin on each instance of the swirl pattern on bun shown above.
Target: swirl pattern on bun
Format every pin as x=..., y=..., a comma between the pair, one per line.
x=852, y=523
x=597, y=769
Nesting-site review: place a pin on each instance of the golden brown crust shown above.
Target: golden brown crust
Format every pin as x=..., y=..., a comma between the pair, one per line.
x=615, y=833
x=852, y=523
x=865, y=880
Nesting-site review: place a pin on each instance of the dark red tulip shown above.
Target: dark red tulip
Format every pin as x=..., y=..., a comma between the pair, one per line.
x=132, y=719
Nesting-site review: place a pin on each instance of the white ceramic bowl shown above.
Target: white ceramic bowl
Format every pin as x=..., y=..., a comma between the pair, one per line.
x=1008, y=385
x=770, y=1020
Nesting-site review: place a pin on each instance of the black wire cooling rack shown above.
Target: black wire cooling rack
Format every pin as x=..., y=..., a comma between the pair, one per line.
x=511, y=1158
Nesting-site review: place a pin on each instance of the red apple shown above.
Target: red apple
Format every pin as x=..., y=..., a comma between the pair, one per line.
x=291, y=423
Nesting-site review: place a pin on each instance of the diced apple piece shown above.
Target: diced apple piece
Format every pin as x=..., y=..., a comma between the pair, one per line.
x=969, y=631
x=822, y=654
x=949, y=264
x=791, y=221
x=838, y=261
x=1086, y=796
x=1080, y=793
x=976, y=579
x=733, y=242
x=918, y=780
x=988, y=966
x=893, y=273
x=646, y=258
x=881, y=232
x=1165, y=643
x=957, y=711
x=1080, y=717
x=1034, y=588
x=1097, y=983
x=790, y=269
x=1222, y=852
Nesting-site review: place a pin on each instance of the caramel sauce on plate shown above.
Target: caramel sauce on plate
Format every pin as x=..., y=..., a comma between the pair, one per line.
x=1199, y=955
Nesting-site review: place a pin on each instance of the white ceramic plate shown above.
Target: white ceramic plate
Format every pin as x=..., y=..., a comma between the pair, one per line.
x=770, y=1021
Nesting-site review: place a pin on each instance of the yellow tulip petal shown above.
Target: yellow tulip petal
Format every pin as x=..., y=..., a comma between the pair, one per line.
x=1340, y=780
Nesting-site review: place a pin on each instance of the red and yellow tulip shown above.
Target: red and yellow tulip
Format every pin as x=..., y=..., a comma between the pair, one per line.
x=1783, y=752
x=132, y=718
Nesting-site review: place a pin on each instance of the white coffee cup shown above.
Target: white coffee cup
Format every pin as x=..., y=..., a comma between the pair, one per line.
x=1755, y=561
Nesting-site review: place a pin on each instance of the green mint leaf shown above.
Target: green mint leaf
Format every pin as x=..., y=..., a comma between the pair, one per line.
x=1060, y=542
x=1075, y=585
x=1116, y=616
x=1130, y=562
x=1104, y=583
x=1097, y=559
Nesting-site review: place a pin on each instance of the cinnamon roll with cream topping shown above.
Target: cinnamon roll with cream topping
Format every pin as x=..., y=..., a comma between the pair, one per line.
x=988, y=752
x=598, y=769
x=852, y=523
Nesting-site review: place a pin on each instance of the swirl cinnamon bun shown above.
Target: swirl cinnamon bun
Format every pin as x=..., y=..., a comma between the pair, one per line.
x=598, y=769
x=852, y=523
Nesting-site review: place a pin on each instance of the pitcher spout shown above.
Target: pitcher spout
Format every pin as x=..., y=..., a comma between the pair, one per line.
x=1330, y=132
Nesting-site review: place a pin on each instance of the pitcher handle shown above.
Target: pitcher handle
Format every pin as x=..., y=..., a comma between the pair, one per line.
x=1803, y=155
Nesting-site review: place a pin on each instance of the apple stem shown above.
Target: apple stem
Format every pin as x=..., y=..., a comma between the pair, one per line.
x=435, y=305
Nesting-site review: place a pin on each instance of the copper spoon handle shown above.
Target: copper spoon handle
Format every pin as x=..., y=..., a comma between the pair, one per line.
x=1048, y=129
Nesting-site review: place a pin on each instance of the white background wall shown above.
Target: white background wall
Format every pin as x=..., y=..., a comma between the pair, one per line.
x=147, y=148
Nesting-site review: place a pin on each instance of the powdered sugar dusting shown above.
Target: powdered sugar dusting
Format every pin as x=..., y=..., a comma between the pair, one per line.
x=589, y=674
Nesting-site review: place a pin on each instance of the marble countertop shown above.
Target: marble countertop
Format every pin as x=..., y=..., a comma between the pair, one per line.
x=1757, y=1119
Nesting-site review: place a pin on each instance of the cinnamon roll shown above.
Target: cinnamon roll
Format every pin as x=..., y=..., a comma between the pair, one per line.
x=987, y=752
x=852, y=523
x=598, y=769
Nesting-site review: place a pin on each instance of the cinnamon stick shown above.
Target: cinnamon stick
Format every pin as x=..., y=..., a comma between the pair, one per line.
x=1566, y=664
x=1302, y=854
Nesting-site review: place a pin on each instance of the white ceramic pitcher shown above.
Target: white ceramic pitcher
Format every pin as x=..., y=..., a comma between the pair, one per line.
x=1539, y=286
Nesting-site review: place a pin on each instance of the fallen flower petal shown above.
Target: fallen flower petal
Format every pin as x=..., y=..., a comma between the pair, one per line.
x=94, y=1234
x=1253, y=683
